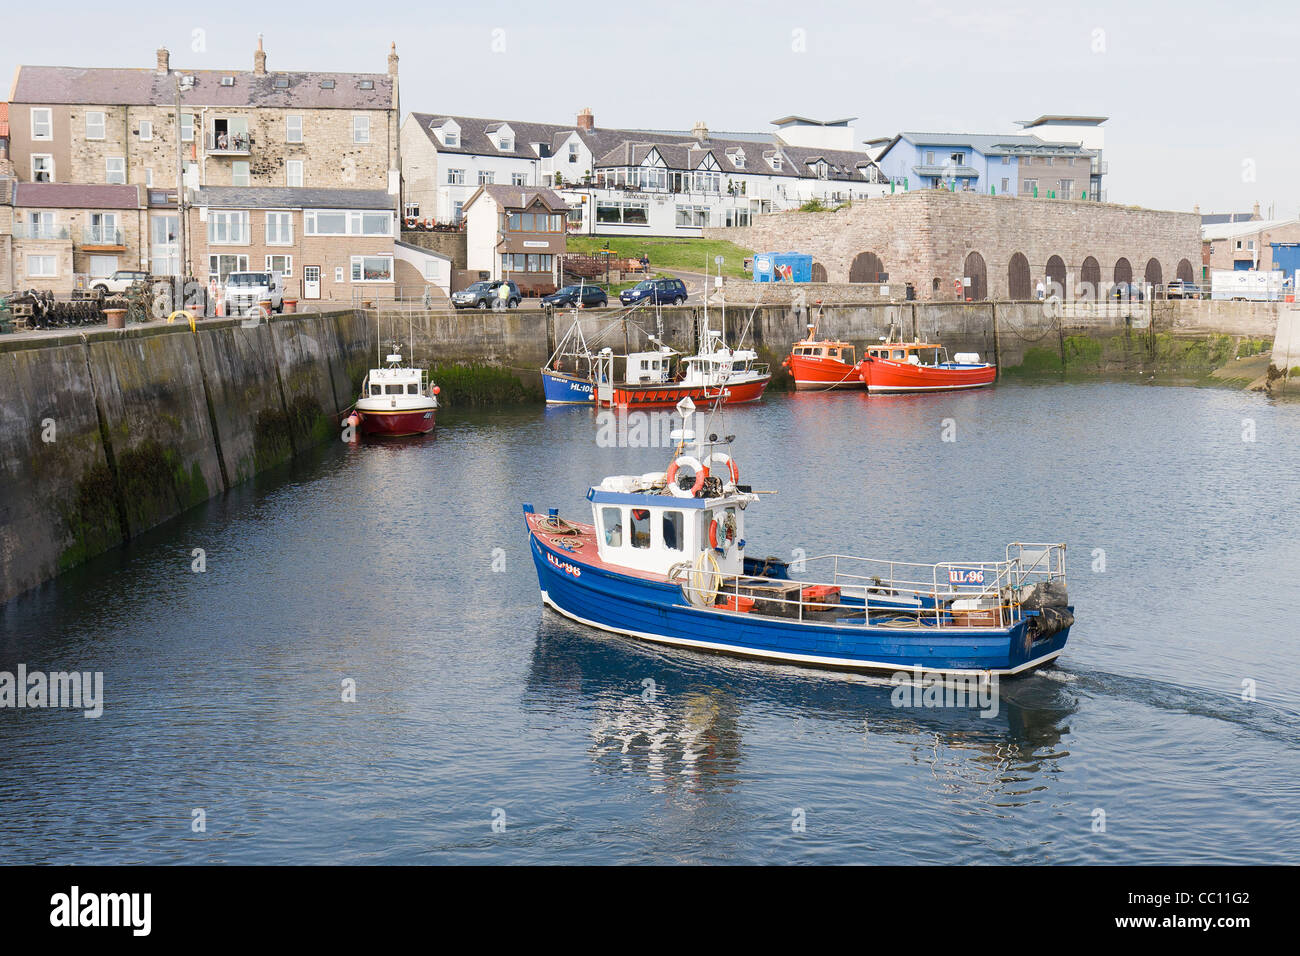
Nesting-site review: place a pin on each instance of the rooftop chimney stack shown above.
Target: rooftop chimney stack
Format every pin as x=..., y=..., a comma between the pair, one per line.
x=700, y=131
x=1256, y=208
x=586, y=121
x=164, y=60
x=392, y=60
x=259, y=58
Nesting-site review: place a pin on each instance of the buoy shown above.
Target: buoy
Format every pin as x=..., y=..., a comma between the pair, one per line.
x=701, y=472
x=726, y=460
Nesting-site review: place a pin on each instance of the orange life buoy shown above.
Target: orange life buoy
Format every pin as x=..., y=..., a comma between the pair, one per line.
x=726, y=459
x=701, y=472
x=428, y=224
x=411, y=222
x=728, y=528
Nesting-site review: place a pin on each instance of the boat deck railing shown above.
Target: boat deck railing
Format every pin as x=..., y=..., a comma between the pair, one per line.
x=898, y=593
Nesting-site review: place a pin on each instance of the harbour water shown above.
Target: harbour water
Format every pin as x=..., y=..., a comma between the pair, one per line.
x=487, y=730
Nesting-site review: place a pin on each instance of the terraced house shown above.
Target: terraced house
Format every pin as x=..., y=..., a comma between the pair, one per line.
x=634, y=182
x=163, y=128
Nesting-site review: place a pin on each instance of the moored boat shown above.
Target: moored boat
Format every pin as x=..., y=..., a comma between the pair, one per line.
x=922, y=367
x=664, y=378
x=396, y=400
x=664, y=559
x=823, y=365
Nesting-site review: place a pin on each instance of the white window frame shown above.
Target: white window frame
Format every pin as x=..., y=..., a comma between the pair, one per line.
x=518, y=179
x=287, y=271
x=102, y=124
x=450, y=137
x=146, y=130
x=506, y=144
x=148, y=176
x=47, y=122
x=289, y=166
x=358, y=262
x=282, y=230
x=45, y=156
x=241, y=263
x=187, y=127
x=289, y=134
x=108, y=170
x=360, y=128
x=455, y=177
x=236, y=173
x=486, y=177
x=354, y=222
x=227, y=217
x=54, y=260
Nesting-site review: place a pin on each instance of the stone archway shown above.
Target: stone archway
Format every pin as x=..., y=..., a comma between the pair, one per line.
x=1090, y=279
x=1185, y=271
x=1056, y=276
x=1154, y=274
x=866, y=267
x=1123, y=270
x=818, y=272
x=1019, y=285
x=976, y=271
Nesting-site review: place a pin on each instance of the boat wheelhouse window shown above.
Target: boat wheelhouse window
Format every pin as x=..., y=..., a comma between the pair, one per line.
x=898, y=354
x=392, y=390
x=611, y=518
x=412, y=389
x=376, y=389
x=672, y=529
x=640, y=527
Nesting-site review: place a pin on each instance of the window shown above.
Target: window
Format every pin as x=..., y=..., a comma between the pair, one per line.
x=672, y=531
x=367, y=84
x=102, y=229
x=94, y=124
x=525, y=262
x=372, y=268
x=42, y=168
x=573, y=152
x=42, y=123
x=327, y=84
x=626, y=213
x=956, y=159
x=187, y=127
x=1031, y=185
x=321, y=222
x=1006, y=160
x=506, y=144
x=640, y=530
x=42, y=267
x=228, y=228
x=115, y=170
x=929, y=158
x=393, y=389
x=412, y=210
x=280, y=264
x=1048, y=160
x=148, y=176
x=337, y=222
x=361, y=129
x=281, y=83
x=611, y=520
x=239, y=174
x=776, y=163
x=450, y=138
x=102, y=266
x=692, y=215
x=293, y=128
x=1005, y=184
x=293, y=172
x=455, y=177
x=279, y=229
x=486, y=177
x=40, y=225
x=518, y=179
x=219, y=267
x=457, y=211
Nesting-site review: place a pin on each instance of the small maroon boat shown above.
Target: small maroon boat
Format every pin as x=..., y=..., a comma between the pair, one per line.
x=396, y=401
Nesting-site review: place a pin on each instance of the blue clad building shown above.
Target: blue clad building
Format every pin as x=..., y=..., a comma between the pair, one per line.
x=1003, y=165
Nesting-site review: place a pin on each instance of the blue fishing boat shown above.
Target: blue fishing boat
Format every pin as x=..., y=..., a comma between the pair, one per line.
x=569, y=376
x=663, y=559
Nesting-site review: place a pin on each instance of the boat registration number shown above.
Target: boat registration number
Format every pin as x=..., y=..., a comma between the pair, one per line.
x=965, y=575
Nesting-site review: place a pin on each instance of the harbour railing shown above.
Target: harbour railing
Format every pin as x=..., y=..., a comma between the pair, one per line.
x=946, y=595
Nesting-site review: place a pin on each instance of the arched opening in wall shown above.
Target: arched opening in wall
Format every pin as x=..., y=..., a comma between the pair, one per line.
x=866, y=267
x=1090, y=280
x=1123, y=270
x=1056, y=276
x=934, y=287
x=1154, y=274
x=1185, y=271
x=1018, y=277
x=818, y=272
x=974, y=270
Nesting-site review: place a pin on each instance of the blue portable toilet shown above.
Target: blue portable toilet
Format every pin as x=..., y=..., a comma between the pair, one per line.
x=782, y=267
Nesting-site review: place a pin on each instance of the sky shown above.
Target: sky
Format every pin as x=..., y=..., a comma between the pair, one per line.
x=1200, y=95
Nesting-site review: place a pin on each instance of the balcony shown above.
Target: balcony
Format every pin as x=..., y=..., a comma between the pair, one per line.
x=27, y=230
x=1100, y=167
x=101, y=237
x=228, y=144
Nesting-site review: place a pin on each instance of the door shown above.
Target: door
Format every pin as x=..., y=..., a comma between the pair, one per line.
x=311, y=282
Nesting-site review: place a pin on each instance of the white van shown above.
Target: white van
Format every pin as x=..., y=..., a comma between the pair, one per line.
x=244, y=290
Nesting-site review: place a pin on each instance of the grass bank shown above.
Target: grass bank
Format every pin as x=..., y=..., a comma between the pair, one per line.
x=669, y=253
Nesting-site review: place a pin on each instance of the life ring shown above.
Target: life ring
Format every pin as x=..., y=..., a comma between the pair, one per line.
x=428, y=224
x=701, y=472
x=726, y=459
x=411, y=222
x=727, y=528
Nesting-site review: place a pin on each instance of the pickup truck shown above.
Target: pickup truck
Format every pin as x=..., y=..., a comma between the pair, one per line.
x=244, y=290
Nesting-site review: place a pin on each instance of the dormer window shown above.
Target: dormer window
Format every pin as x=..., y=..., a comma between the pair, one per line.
x=327, y=84
x=227, y=81
x=281, y=82
x=450, y=137
x=505, y=144
x=367, y=84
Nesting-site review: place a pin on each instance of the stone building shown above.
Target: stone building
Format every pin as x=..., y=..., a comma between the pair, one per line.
x=151, y=128
x=933, y=239
x=1249, y=244
x=64, y=234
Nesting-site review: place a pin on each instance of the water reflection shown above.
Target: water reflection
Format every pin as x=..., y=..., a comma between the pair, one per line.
x=678, y=718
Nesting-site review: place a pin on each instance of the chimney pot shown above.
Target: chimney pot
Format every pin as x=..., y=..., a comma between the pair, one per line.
x=700, y=131
x=586, y=121
x=1256, y=208
x=164, y=60
x=392, y=59
x=259, y=57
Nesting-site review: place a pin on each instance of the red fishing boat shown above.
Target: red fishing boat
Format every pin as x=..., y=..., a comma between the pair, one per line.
x=396, y=401
x=715, y=371
x=823, y=365
x=922, y=367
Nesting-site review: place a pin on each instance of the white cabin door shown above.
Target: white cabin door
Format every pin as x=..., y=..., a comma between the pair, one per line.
x=311, y=282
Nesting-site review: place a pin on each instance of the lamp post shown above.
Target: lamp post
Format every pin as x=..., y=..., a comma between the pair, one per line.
x=183, y=84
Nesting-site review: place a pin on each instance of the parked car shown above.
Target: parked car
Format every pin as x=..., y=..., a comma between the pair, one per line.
x=484, y=295
x=1128, y=290
x=658, y=291
x=245, y=290
x=1179, y=289
x=119, y=281
x=592, y=296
